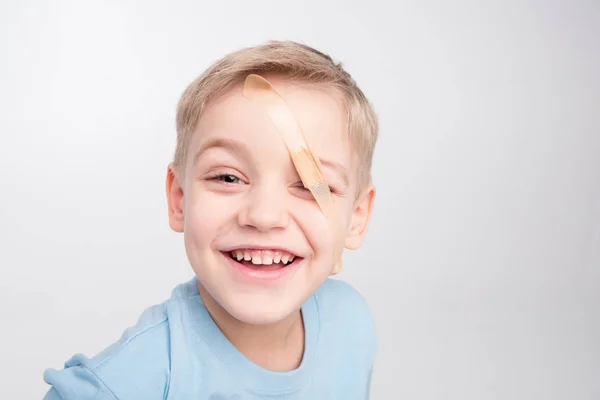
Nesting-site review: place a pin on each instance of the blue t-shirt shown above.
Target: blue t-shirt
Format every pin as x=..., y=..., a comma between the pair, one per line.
x=176, y=351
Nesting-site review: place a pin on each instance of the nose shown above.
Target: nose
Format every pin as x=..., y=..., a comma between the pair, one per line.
x=266, y=209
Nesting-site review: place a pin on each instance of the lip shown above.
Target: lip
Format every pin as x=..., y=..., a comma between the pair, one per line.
x=260, y=275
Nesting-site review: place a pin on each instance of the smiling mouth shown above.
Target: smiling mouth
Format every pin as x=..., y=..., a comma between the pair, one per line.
x=263, y=259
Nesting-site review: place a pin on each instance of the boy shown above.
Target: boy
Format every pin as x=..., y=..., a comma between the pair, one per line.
x=260, y=319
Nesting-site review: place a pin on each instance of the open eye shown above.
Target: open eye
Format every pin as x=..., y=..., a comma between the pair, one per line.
x=227, y=178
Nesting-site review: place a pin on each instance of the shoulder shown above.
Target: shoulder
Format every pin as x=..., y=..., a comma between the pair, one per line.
x=336, y=296
x=344, y=313
x=136, y=366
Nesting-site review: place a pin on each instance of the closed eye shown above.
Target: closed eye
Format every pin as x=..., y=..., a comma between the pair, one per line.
x=305, y=189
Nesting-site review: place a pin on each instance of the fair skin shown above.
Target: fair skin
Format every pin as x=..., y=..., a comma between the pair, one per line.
x=239, y=194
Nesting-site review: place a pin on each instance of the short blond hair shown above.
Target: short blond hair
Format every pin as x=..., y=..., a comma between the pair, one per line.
x=286, y=59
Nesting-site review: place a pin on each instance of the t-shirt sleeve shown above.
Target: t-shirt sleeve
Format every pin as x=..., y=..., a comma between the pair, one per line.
x=76, y=382
x=136, y=367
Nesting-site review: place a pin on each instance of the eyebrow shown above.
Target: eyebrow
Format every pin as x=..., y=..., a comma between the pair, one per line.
x=239, y=147
x=228, y=144
x=337, y=167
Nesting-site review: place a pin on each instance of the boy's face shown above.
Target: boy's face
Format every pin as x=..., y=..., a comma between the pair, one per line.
x=242, y=198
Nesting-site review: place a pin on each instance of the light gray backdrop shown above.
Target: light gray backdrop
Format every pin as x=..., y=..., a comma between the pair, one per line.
x=483, y=262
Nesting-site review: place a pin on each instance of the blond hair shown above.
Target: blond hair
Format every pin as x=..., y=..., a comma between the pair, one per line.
x=289, y=60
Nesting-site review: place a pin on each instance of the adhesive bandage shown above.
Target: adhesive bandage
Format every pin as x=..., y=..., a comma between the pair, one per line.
x=259, y=90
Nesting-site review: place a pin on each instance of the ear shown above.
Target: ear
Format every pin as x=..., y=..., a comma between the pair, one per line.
x=361, y=216
x=175, y=199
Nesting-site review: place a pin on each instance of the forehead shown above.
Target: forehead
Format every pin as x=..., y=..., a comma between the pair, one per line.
x=318, y=110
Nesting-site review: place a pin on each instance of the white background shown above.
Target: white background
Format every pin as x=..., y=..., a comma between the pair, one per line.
x=482, y=266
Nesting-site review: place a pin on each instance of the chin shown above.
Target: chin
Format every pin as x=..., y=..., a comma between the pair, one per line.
x=259, y=308
x=257, y=297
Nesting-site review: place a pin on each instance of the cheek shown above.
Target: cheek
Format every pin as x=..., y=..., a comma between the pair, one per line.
x=319, y=230
x=315, y=227
x=207, y=214
x=346, y=210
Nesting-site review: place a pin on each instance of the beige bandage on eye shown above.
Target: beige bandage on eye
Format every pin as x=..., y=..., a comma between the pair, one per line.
x=258, y=89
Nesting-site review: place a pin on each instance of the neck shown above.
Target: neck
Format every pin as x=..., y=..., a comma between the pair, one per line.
x=277, y=347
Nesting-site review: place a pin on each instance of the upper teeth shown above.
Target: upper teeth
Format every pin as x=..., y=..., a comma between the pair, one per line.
x=260, y=257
